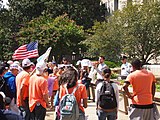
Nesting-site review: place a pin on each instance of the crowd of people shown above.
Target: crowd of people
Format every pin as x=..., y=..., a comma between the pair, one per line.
x=28, y=90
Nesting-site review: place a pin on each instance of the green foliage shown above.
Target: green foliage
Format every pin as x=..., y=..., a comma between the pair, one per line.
x=111, y=64
x=61, y=33
x=114, y=76
x=158, y=87
x=84, y=12
x=134, y=31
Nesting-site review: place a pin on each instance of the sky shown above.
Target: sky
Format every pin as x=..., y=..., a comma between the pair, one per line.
x=4, y=2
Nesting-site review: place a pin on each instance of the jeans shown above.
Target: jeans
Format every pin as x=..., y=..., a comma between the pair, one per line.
x=102, y=115
x=26, y=108
x=38, y=113
x=81, y=115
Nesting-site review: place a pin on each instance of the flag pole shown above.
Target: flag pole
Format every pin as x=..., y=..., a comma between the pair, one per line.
x=42, y=58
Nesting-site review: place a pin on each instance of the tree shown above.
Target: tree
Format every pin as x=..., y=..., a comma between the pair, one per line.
x=84, y=12
x=61, y=33
x=141, y=31
x=106, y=40
x=134, y=31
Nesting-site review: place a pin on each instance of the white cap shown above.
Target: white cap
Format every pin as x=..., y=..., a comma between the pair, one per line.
x=26, y=63
x=86, y=62
x=16, y=62
x=40, y=67
x=78, y=62
x=10, y=62
x=14, y=66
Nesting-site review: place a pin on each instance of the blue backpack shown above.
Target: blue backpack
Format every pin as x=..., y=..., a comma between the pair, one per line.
x=69, y=109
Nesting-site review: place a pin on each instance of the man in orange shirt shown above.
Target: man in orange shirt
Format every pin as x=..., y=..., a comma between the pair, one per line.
x=143, y=83
x=22, y=85
x=38, y=92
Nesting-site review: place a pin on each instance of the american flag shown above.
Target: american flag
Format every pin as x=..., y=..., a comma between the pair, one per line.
x=26, y=51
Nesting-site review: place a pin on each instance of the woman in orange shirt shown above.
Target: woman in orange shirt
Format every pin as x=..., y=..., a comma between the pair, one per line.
x=69, y=78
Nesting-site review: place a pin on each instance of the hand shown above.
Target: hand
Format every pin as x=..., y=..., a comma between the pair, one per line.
x=131, y=96
x=48, y=105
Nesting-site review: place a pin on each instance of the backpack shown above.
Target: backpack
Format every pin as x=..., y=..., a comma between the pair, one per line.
x=69, y=109
x=107, y=98
x=4, y=87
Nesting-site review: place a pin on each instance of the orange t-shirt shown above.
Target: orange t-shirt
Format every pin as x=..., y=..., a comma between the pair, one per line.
x=55, y=85
x=22, y=79
x=80, y=94
x=37, y=88
x=141, y=81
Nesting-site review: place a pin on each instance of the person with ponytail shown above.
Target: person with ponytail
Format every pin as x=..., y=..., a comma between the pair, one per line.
x=68, y=79
x=104, y=109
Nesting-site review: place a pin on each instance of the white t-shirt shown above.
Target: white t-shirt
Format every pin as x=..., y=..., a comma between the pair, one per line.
x=126, y=69
x=99, y=70
x=116, y=91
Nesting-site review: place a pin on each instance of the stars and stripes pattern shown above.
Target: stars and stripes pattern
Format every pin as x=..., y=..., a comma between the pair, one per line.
x=26, y=51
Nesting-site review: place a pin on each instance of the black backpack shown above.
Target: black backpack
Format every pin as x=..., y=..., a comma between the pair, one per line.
x=5, y=88
x=107, y=98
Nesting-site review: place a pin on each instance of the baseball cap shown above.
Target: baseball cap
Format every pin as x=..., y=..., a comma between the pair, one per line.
x=14, y=66
x=26, y=63
x=16, y=62
x=40, y=67
x=9, y=62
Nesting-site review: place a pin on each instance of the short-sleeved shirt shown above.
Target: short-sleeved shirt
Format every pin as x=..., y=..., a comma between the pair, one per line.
x=37, y=89
x=126, y=69
x=99, y=70
x=22, y=79
x=55, y=85
x=80, y=94
x=141, y=81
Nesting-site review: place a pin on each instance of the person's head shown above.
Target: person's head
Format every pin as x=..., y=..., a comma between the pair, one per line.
x=51, y=65
x=3, y=69
x=55, y=70
x=14, y=68
x=64, y=61
x=136, y=64
x=101, y=59
x=27, y=65
x=41, y=69
x=106, y=73
x=69, y=77
x=124, y=59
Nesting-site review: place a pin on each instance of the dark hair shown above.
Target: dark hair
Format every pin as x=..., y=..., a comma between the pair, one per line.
x=69, y=76
x=106, y=73
x=102, y=57
x=27, y=68
x=123, y=57
x=2, y=69
x=136, y=64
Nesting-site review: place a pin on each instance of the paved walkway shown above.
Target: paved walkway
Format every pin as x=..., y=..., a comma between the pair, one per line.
x=91, y=110
x=90, y=113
